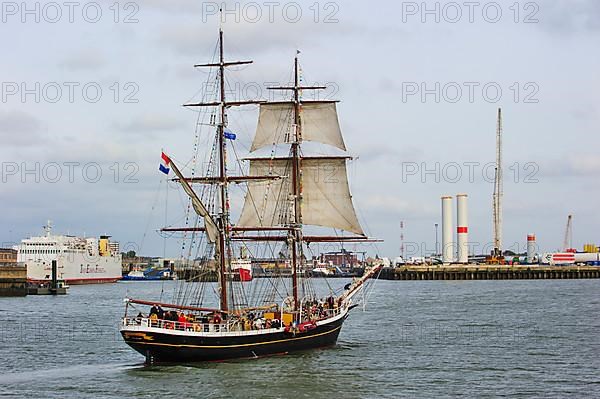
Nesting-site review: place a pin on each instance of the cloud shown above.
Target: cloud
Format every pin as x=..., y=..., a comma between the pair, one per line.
x=391, y=204
x=175, y=6
x=374, y=153
x=149, y=123
x=84, y=60
x=585, y=165
x=19, y=128
x=582, y=165
x=571, y=16
x=253, y=38
x=368, y=58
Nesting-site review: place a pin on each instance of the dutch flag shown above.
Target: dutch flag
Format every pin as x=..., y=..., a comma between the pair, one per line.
x=164, y=164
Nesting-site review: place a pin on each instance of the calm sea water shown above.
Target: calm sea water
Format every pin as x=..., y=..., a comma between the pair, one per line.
x=417, y=339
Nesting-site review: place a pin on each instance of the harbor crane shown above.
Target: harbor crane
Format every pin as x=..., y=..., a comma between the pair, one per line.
x=568, y=240
x=497, y=257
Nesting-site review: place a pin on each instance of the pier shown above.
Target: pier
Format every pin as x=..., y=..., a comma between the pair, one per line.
x=13, y=280
x=489, y=272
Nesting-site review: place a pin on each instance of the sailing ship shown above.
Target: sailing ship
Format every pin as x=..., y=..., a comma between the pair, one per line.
x=284, y=196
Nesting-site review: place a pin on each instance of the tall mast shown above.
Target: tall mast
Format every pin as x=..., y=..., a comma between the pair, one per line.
x=296, y=189
x=222, y=180
x=224, y=227
x=295, y=234
x=498, y=190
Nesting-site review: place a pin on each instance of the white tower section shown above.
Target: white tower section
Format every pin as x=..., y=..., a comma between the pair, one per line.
x=447, y=231
x=530, y=247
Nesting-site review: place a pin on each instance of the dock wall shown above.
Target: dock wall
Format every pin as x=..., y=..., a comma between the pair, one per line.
x=13, y=280
x=489, y=272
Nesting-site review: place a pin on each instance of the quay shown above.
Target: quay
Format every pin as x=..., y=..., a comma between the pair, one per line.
x=13, y=277
x=13, y=280
x=489, y=272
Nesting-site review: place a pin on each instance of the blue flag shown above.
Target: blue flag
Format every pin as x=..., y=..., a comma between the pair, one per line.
x=229, y=134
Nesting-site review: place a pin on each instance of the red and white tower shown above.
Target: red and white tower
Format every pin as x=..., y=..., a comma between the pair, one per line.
x=462, y=228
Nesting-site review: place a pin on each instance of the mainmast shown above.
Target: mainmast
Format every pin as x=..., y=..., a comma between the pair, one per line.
x=295, y=233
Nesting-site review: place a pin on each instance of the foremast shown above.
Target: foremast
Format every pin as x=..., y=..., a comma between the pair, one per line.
x=224, y=242
x=296, y=233
x=224, y=225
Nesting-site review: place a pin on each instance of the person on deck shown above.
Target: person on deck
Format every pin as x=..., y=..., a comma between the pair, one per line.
x=330, y=302
x=183, y=321
x=160, y=312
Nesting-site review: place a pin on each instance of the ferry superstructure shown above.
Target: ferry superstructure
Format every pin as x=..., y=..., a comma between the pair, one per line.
x=79, y=260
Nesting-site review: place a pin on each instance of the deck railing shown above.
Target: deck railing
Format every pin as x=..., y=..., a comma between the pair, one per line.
x=233, y=326
x=175, y=325
x=327, y=313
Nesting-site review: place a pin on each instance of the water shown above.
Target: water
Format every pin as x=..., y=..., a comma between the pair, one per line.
x=417, y=339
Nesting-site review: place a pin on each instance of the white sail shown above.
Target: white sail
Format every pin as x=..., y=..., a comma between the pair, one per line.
x=319, y=122
x=268, y=202
x=326, y=199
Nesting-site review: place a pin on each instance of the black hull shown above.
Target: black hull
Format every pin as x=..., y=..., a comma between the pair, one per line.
x=171, y=348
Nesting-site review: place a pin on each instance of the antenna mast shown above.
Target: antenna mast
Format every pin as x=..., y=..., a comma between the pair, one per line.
x=498, y=189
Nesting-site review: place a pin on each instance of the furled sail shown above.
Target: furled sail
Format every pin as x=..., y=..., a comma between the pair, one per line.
x=212, y=231
x=326, y=199
x=319, y=123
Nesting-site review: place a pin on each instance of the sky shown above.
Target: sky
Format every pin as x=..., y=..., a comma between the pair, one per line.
x=91, y=92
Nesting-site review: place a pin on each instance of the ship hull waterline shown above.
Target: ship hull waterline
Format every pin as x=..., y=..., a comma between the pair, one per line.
x=79, y=281
x=168, y=348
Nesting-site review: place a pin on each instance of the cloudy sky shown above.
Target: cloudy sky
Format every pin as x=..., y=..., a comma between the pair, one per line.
x=92, y=91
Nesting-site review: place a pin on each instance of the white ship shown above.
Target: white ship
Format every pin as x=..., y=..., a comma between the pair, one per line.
x=79, y=260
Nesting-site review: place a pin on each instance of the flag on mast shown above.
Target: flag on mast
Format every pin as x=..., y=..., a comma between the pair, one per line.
x=164, y=164
x=229, y=134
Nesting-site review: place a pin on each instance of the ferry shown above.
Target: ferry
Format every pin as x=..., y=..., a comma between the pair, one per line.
x=79, y=260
